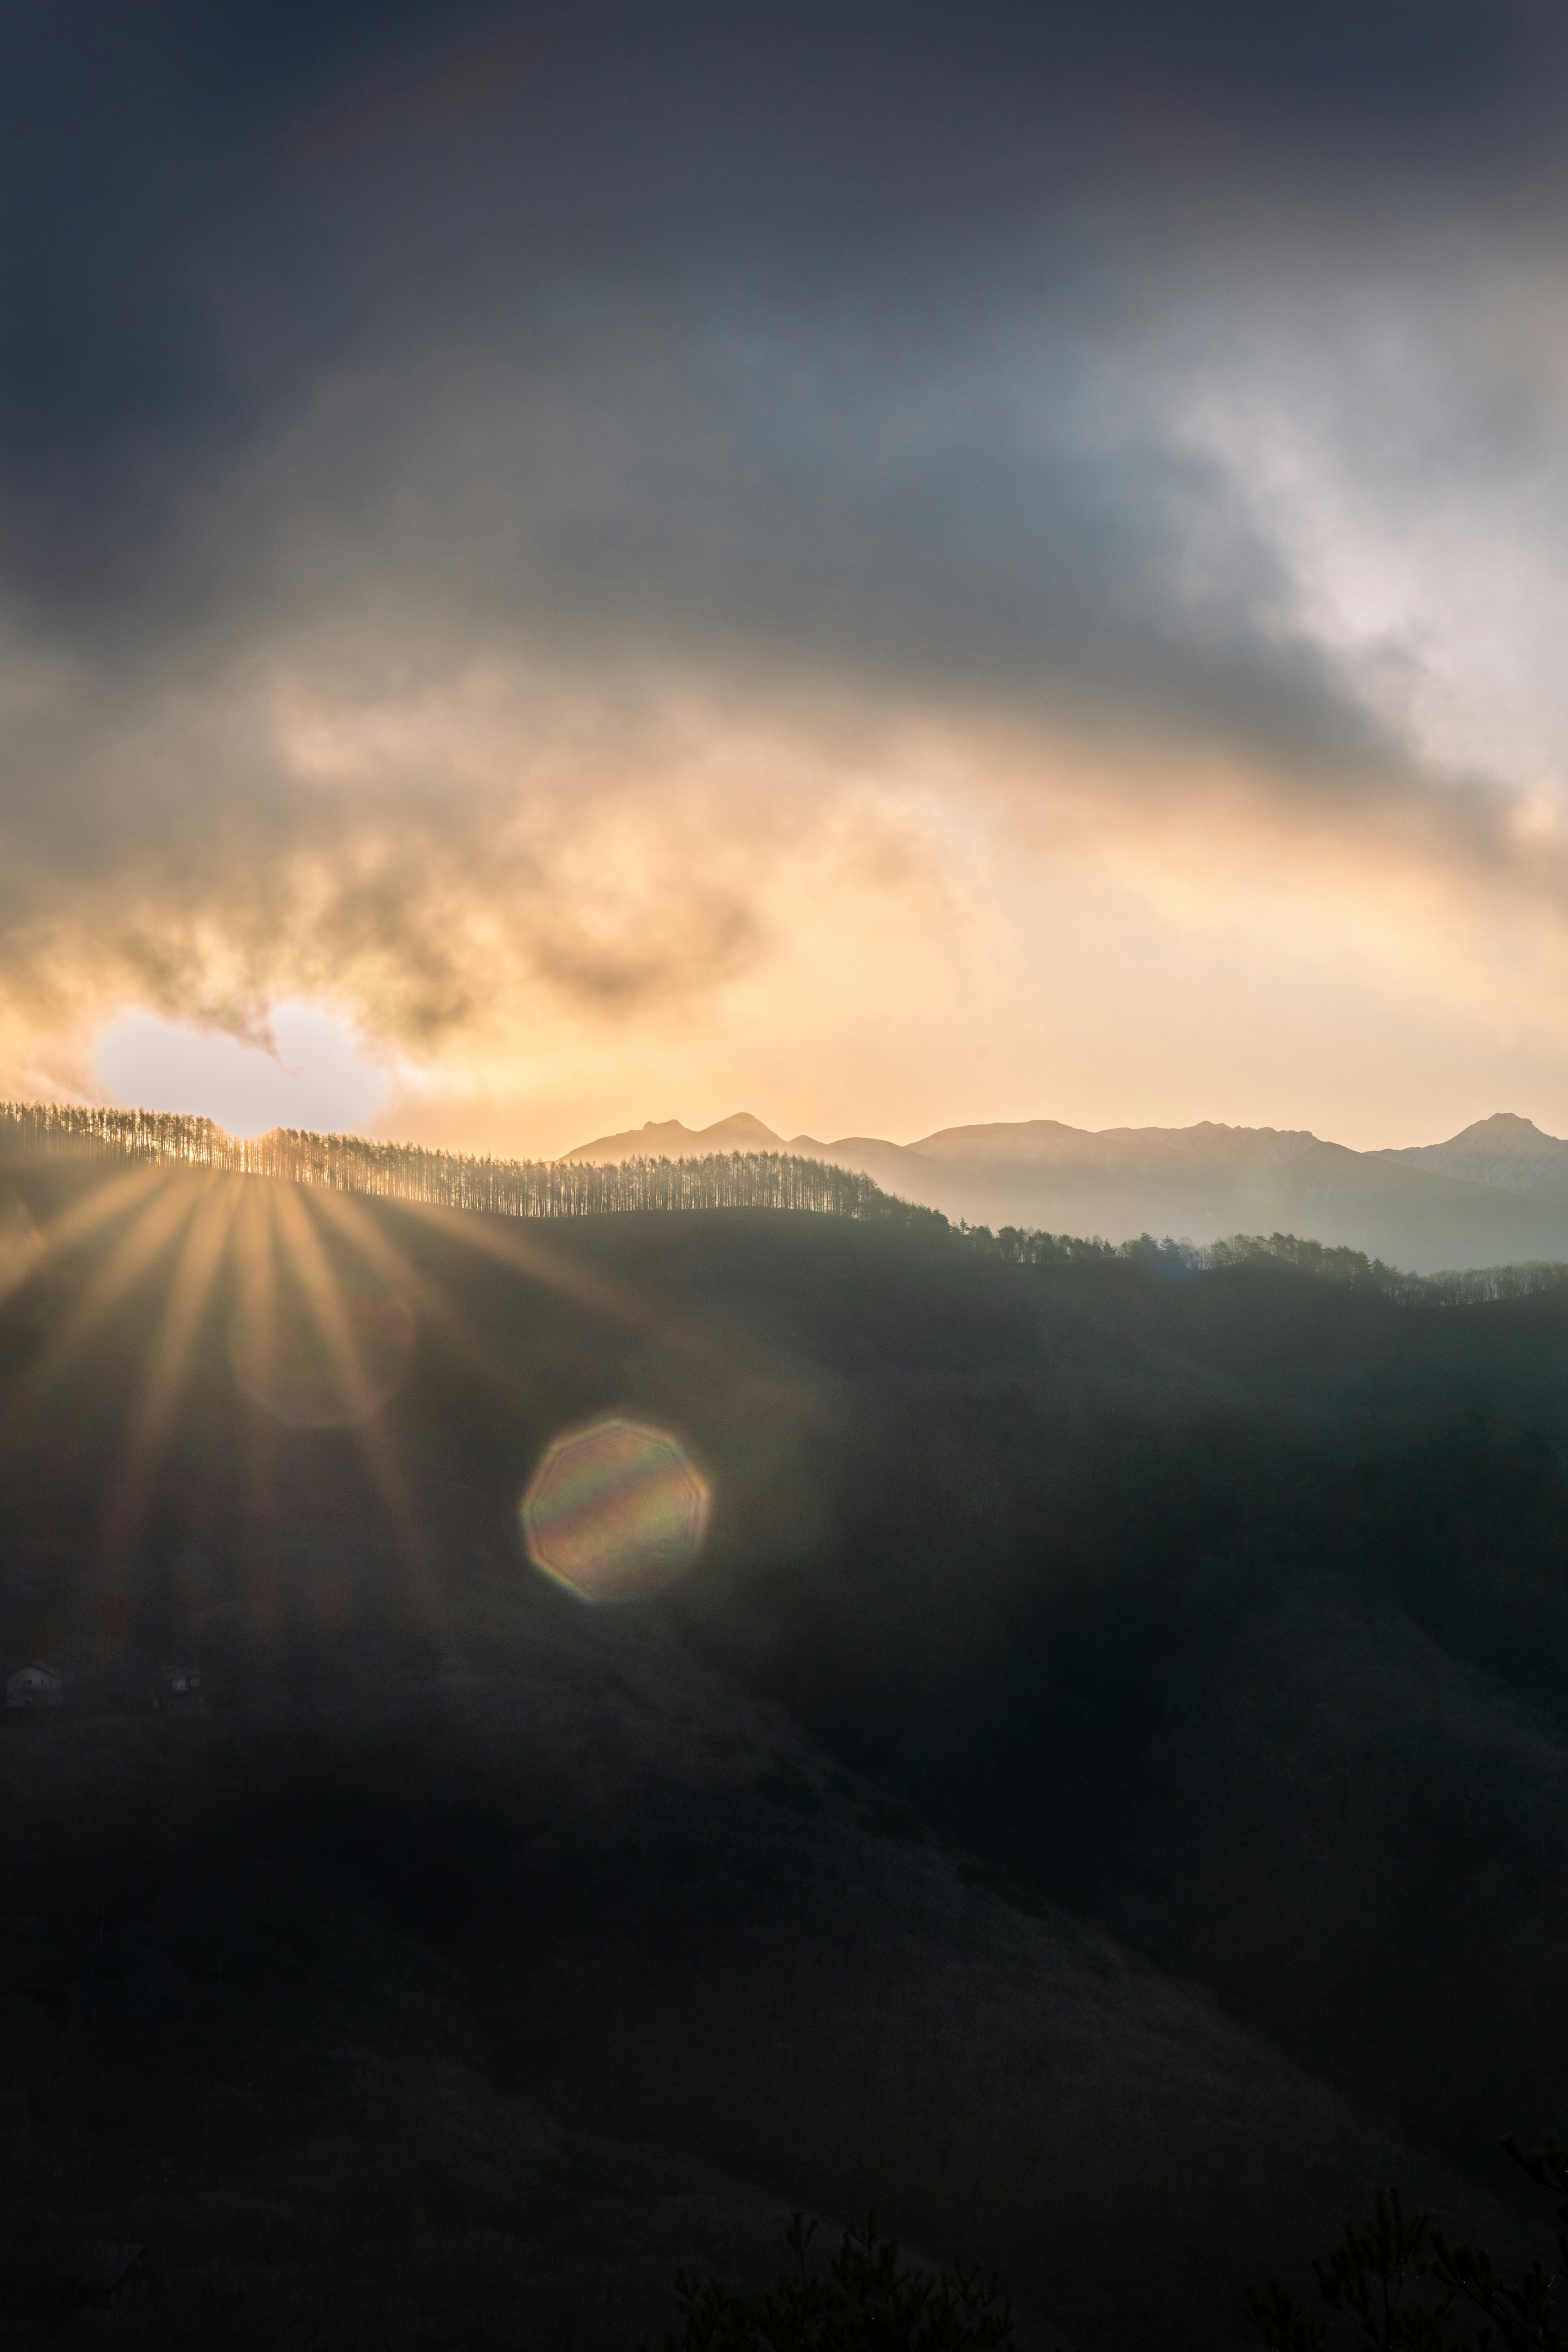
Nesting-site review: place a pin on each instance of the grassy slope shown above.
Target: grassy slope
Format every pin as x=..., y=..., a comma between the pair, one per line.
x=1207, y=1610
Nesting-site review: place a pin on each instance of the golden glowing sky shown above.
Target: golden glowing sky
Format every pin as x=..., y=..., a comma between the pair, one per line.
x=855, y=927
x=538, y=597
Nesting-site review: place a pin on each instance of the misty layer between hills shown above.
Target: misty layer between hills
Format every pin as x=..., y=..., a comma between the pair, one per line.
x=1495, y=1194
x=1101, y=1799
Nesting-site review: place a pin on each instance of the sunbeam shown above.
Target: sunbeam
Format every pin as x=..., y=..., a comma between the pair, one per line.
x=115, y=1196
x=683, y=1337
x=256, y=1298
x=159, y=1223
x=196, y=1269
x=399, y=1270
x=619, y=1302
x=368, y=1355
x=22, y=1248
x=337, y=1342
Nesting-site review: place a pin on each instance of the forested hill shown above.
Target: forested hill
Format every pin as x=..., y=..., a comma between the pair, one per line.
x=720, y=1180
x=451, y=1180
x=1108, y=1759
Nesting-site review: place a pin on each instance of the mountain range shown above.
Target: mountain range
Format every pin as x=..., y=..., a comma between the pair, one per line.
x=1494, y=1193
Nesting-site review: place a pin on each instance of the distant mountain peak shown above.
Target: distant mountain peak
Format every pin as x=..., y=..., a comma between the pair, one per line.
x=670, y=1138
x=1505, y=1150
x=1499, y=1127
x=744, y=1122
x=1204, y=1179
x=1049, y=1143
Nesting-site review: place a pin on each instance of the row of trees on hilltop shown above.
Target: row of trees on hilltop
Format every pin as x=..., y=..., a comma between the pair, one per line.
x=1471, y=1286
x=454, y=1180
x=722, y=1180
x=1324, y=1261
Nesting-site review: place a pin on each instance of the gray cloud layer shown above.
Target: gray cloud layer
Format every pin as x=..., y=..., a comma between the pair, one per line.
x=344, y=350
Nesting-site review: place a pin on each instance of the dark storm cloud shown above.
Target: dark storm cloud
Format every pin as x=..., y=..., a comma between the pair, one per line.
x=360, y=345
x=213, y=210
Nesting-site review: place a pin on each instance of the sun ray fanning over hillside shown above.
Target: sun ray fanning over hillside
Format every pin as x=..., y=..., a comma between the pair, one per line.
x=202, y=1252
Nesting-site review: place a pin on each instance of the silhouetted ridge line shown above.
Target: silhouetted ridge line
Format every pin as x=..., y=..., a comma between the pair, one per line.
x=1470, y=1287
x=721, y=1180
x=1323, y=1261
x=456, y=1180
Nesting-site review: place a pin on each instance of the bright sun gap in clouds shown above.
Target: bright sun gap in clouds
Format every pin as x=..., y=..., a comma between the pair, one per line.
x=319, y=1078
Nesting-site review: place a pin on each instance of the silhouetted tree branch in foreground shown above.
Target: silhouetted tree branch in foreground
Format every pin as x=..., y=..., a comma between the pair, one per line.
x=1399, y=2282
x=865, y=2300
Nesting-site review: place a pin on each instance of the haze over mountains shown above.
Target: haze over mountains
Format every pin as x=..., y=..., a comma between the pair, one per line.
x=1496, y=1192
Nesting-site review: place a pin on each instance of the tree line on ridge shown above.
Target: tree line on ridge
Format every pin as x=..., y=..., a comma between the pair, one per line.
x=456, y=1180
x=732, y=1179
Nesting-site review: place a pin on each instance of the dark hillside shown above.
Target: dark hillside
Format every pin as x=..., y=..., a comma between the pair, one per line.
x=1071, y=1645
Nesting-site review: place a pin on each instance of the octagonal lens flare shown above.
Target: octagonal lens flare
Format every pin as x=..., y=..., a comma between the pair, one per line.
x=322, y=1348
x=616, y=1511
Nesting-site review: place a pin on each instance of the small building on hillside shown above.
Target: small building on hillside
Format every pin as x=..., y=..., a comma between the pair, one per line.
x=36, y=1685
x=180, y=1691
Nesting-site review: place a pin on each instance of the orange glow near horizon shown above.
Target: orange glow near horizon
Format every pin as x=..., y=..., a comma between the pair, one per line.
x=858, y=921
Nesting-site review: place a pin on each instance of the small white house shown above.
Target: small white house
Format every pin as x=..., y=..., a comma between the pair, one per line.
x=35, y=1686
x=180, y=1691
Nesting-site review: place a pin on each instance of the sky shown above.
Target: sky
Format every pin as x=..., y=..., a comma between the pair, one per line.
x=880, y=566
